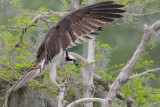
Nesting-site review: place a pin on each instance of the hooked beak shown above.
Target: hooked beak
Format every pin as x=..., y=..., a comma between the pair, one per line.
x=75, y=62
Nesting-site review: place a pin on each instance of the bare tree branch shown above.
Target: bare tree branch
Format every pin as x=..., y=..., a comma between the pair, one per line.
x=48, y=14
x=101, y=82
x=124, y=74
x=61, y=101
x=84, y=100
x=144, y=73
x=79, y=58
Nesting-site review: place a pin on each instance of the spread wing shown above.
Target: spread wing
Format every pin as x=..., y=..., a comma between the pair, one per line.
x=68, y=31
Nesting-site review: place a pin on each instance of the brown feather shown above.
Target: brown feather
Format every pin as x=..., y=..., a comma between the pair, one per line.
x=76, y=24
x=29, y=75
x=68, y=31
x=94, y=22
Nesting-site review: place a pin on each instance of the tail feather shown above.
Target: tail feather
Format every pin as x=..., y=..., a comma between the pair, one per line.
x=31, y=74
x=25, y=79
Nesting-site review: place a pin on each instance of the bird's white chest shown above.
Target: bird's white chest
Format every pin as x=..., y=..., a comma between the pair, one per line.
x=55, y=62
x=58, y=59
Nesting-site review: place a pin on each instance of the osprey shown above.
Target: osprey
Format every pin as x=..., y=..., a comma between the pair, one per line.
x=68, y=32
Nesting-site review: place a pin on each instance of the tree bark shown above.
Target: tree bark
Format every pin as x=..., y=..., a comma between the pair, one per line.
x=87, y=75
x=87, y=72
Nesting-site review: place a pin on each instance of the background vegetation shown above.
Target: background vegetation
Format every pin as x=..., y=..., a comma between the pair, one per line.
x=115, y=46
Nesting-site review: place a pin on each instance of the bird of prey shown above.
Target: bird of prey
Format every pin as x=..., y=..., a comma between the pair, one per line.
x=68, y=32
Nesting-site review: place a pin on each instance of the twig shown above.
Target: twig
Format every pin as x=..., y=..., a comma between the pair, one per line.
x=45, y=22
x=21, y=38
x=144, y=73
x=10, y=62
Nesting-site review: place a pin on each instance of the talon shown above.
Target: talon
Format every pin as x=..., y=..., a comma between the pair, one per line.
x=61, y=87
x=64, y=80
x=63, y=84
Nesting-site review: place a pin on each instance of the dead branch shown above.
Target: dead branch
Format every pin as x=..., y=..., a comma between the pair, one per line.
x=84, y=100
x=48, y=14
x=61, y=101
x=79, y=58
x=144, y=73
x=124, y=74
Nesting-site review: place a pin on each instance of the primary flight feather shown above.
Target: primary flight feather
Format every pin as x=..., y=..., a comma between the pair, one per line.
x=67, y=33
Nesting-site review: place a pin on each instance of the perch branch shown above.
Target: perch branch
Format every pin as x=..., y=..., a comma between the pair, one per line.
x=144, y=73
x=124, y=74
x=98, y=79
x=79, y=58
x=61, y=101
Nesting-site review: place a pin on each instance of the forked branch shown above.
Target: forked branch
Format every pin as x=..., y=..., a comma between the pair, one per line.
x=124, y=74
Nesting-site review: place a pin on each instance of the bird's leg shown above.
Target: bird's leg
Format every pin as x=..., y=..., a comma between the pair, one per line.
x=64, y=81
x=53, y=76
